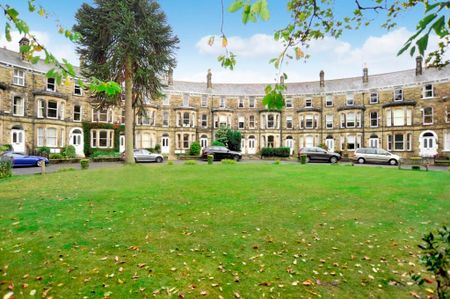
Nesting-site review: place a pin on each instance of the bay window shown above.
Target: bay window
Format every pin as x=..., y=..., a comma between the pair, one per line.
x=40, y=108
x=52, y=109
x=102, y=115
x=350, y=120
x=102, y=138
x=399, y=142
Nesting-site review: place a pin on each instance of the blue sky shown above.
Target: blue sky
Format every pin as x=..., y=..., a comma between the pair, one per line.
x=194, y=21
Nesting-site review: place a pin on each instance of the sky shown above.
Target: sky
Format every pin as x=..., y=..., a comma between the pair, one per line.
x=195, y=21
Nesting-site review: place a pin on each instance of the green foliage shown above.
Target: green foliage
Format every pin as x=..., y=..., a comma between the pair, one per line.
x=158, y=148
x=210, y=159
x=105, y=154
x=87, y=127
x=436, y=259
x=228, y=162
x=229, y=138
x=277, y=162
x=227, y=61
x=190, y=162
x=217, y=143
x=274, y=99
x=170, y=163
x=43, y=150
x=5, y=148
x=56, y=156
x=5, y=169
x=222, y=135
x=323, y=146
x=69, y=152
x=195, y=149
x=84, y=163
x=251, y=11
x=275, y=152
x=303, y=159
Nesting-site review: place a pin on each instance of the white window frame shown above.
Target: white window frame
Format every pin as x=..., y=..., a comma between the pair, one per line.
x=52, y=109
x=289, y=122
x=51, y=86
x=427, y=115
x=241, y=102
x=397, y=119
x=241, y=122
x=165, y=119
x=402, y=142
x=204, y=101
x=398, y=95
x=49, y=138
x=96, y=115
x=40, y=137
x=329, y=121
x=353, y=114
x=374, y=98
x=252, y=124
x=18, y=110
x=40, y=108
x=309, y=117
x=223, y=103
x=80, y=90
x=428, y=91
x=95, y=141
x=350, y=99
x=289, y=103
x=19, y=77
x=78, y=113
x=329, y=101
x=204, y=120
x=251, y=102
x=308, y=103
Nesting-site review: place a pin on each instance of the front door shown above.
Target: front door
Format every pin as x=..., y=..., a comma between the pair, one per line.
x=290, y=144
x=122, y=143
x=18, y=140
x=76, y=139
x=330, y=144
x=428, y=145
x=251, y=149
x=165, y=149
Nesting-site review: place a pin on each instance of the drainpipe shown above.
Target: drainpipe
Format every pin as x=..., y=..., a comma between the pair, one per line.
x=363, y=112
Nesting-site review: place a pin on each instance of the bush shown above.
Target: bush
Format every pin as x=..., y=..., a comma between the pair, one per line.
x=84, y=163
x=228, y=162
x=5, y=169
x=158, y=148
x=415, y=167
x=43, y=151
x=303, y=159
x=283, y=152
x=217, y=143
x=170, y=163
x=195, y=149
x=56, y=156
x=69, y=152
x=5, y=148
x=323, y=146
x=190, y=162
x=211, y=160
x=105, y=154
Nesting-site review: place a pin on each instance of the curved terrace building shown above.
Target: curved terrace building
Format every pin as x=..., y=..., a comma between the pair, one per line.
x=407, y=112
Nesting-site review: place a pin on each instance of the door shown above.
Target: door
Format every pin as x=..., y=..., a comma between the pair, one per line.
x=290, y=145
x=330, y=144
x=428, y=144
x=374, y=142
x=76, y=139
x=165, y=149
x=251, y=149
x=122, y=143
x=18, y=140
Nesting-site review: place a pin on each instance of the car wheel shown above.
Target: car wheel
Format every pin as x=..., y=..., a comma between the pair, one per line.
x=361, y=161
x=333, y=160
x=159, y=160
x=236, y=158
x=392, y=162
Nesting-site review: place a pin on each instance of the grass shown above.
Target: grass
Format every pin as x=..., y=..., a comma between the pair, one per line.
x=294, y=230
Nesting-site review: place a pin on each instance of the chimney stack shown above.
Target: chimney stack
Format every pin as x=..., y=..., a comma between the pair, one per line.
x=419, y=61
x=170, y=77
x=24, y=42
x=208, y=79
x=322, y=78
x=365, y=77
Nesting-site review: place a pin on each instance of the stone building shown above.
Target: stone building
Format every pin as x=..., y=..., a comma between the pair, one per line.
x=406, y=112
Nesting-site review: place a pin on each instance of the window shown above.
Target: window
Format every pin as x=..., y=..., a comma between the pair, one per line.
x=77, y=113
x=289, y=122
x=166, y=100
x=374, y=119
x=61, y=138
x=18, y=106
x=329, y=101
x=222, y=102
x=241, y=122
x=241, y=102
x=309, y=122
x=185, y=140
x=373, y=98
x=102, y=138
x=374, y=142
x=350, y=100
x=77, y=90
x=342, y=120
x=447, y=140
x=447, y=114
x=428, y=116
x=204, y=141
x=186, y=120
x=351, y=143
x=428, y=91
x=165, y=119
x=350, y=120
x=251, y=102
x=289, y=103
x=185, y=100
x=270, y=121
x=399, y=142
x=204, y=120
x=40, y=108
x=102, y=115
x=270, y=141
x=358, y=119
x=399, y=117
x=204, y=101
x=40, y=137
x=329, y=121
x=122, y=117
x=251, y=121
x=308, y=103
x=52, y=109
x=389, y=142
x=51, y=137
x=144, y=118
x=51, y=85
x=409, y=142
x=398, y=95
x=19, y=77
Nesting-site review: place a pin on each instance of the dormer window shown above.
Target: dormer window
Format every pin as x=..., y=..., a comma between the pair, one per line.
x=428, y=91
x=19, y=77
x=350, y=100
x=398, y=95
x=308, y=103
x=77, y=90
x=51, y=84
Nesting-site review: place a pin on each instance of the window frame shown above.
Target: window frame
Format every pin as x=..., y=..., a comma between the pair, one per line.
x=204, y=101
x=49, y=84
x=251, y=102
x=75, y=87
x=96, y=138
x=308, y=103
x=398, y=94
x=350, y=99
x=204, y=120
x=289, y=122
x=425, y=91
x=424, y=116
x=329, y=99
x=22, y=106
x=80, y=113
x=289, y=103
x=17, y=78
x=372, y=119
x=329, y=122
x=165, y=120
x=373, y=95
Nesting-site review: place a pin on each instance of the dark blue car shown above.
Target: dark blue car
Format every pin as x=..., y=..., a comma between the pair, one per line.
x=19, y=160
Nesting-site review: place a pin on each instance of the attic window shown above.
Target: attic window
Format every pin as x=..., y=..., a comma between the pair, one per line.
x=51, y=85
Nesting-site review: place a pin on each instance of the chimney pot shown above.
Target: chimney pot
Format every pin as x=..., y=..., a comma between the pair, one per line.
x=365, y=77
x=322, y=78
x=24, y=41
x=209, y=79
x=419, y=67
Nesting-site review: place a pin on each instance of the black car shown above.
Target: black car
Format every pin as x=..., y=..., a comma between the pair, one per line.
x=221, y=152
x=319, y=154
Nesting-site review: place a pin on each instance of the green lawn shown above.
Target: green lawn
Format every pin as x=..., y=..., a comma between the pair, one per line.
x=231, y=230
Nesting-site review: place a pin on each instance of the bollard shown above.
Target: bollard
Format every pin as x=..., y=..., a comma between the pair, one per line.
x=42, y=167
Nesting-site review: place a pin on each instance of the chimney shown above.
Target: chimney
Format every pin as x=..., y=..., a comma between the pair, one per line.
x=24, y=42
x=419, y=61
x=322, y=78
x=365, y=77
x=282, y=79
x=170, y=77
x=208, y=79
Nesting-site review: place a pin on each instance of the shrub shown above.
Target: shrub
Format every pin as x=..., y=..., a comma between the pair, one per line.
x=276, y=152
x=158, y=148
x=43, y=151
x=211, y=159
x=84, y=163
x=105, y=154
x=324, y=146
x=5, y=148
x=56, y=156
x=228, y=162
x=195, y=149
x=190, y=162
x=5, y=169
x=170, y=163
x=303, y=159
x=217, y=143
x=415, y=167
x=69, y=152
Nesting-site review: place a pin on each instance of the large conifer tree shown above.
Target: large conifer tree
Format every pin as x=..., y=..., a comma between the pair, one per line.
x=130, y=42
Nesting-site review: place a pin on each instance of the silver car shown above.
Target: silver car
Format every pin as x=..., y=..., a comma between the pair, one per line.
x=375, y=155
x=143, y=155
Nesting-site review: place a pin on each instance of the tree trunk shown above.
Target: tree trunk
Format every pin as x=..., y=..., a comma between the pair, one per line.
x=129, y=117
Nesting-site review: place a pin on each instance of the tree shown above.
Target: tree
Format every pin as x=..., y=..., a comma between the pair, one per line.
x=129, y=42
x=228, y=137
x=314, y=19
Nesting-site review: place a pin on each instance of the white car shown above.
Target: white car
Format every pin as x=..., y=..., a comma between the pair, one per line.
x=143, y=155
x=375, y=155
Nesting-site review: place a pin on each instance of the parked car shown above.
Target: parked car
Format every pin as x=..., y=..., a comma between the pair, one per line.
x=19, y=160
x=220, y=152
x=143, y=155
x=319, y=154
x=375, y=155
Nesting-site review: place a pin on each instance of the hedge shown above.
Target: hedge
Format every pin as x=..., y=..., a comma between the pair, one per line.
x=275, y=152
